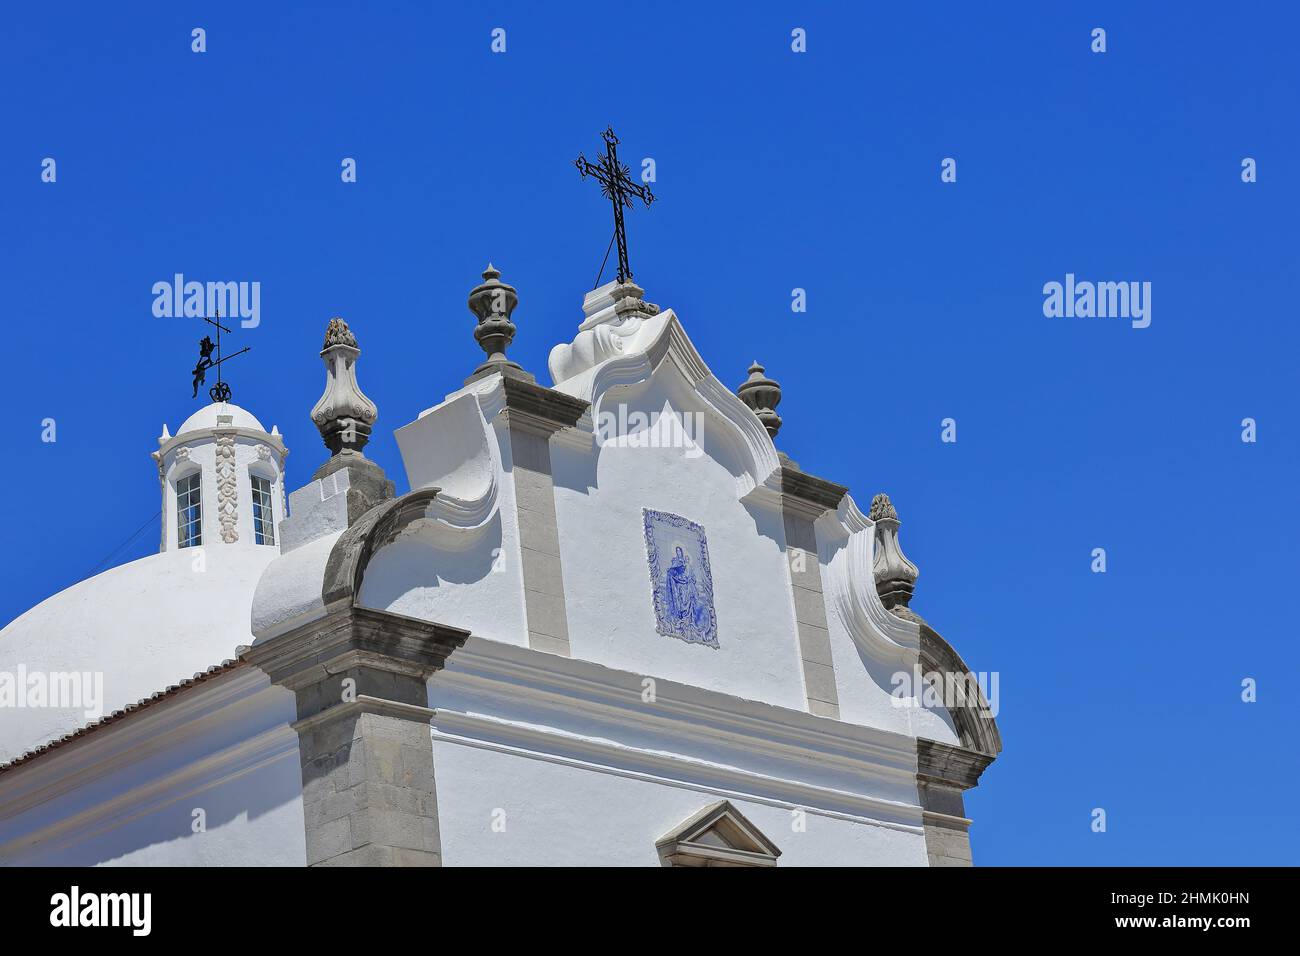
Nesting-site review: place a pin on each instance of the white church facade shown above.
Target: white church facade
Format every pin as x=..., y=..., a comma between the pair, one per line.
x=610, y=624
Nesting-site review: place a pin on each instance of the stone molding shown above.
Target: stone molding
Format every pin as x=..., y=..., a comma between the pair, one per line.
x=366, y=704
x=522, y=701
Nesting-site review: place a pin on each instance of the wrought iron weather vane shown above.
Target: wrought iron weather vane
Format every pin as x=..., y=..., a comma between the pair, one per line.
x=618, y=186
x=221, y=391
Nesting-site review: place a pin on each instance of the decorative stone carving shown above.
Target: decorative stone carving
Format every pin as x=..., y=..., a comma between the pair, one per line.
x=227, y=487
x=183, y=453
x=344, y=414
x=629, y=300
x=882, y=507
x=762, y=395
x=895, y=574
x=493, y=302
x=338, y=333
x=616, y=323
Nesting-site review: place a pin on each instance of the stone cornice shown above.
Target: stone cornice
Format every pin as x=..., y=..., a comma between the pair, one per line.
x=355, y=637
x=199, y=436
x=539, y=409
x=514, y=699
x=949, y=765
x=807, y=494
x=590, y=687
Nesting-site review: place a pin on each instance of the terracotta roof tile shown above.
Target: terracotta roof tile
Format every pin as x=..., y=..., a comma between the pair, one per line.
x=215, y=670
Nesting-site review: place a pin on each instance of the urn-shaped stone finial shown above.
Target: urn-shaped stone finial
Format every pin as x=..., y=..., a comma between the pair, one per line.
x=895, y=575
x=493, y=302
x=762, y=395
x=344, y=414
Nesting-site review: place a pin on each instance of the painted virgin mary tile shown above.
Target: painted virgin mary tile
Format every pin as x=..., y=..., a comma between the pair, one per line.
x=678, y=555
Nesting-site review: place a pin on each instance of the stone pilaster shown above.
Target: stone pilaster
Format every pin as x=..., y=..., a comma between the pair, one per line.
x=943, y=773
x=359, y=677
x=531, y=416
x=804, y=499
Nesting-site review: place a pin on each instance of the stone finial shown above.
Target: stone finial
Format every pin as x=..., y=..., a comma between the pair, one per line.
x=882, y=507
x=895, y=574
x=344, y=414
x=338, y=333
x=493, y=302
x=762, y=395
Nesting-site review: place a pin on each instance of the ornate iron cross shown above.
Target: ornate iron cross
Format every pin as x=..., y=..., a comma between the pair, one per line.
x=221, y=391
x=618, y=186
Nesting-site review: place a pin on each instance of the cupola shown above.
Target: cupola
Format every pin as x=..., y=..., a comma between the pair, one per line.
x=222, y=478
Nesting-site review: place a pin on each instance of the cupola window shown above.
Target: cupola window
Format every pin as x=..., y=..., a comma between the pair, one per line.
x=263, y=516
x=189, y=511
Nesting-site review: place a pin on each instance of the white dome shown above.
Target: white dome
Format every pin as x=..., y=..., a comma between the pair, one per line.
x=144, y=625
x=206, y=417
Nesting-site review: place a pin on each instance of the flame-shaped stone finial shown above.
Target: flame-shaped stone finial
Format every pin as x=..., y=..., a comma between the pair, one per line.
x=895, y=575
x=344, y=414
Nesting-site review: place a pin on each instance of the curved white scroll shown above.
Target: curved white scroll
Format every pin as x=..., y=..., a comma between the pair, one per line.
x=850, y=583
x=630, y=354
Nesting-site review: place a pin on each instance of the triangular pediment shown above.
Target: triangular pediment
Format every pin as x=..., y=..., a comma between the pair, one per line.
x=718, y=835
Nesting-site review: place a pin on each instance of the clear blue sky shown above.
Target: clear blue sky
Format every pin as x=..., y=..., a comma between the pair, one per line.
x=775, y=171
